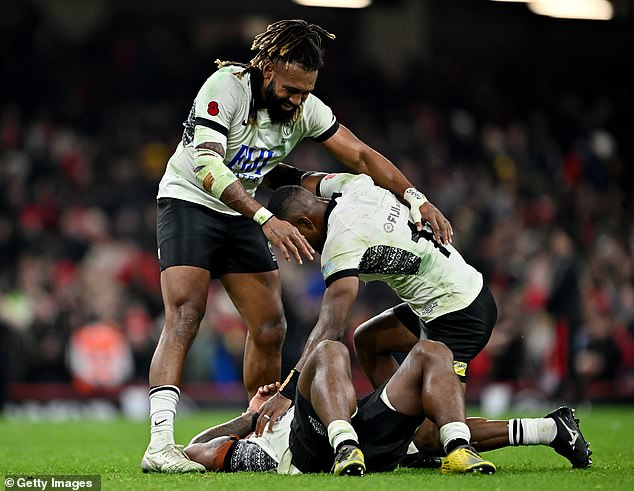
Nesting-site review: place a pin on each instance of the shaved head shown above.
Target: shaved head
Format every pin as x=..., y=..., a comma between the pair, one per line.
x=291, y=203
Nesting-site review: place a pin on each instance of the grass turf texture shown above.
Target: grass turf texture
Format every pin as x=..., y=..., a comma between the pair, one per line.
x=113, y=449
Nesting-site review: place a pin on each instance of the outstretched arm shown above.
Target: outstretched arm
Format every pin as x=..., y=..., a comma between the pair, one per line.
x=332, y=324
x=333, y=315
x=240, y=426
x=243, y=424
x=352, y=152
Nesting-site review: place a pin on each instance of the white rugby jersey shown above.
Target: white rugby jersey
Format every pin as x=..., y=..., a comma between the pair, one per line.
x=275, y=443
x=369, y=235
x=251, y=150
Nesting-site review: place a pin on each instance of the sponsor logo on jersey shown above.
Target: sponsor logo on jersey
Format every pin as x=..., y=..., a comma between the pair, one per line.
x=393, y=214
x=252, y=160
x=329, y=176
x=460, y=367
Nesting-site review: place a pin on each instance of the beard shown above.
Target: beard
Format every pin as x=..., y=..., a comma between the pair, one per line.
x=273, y=103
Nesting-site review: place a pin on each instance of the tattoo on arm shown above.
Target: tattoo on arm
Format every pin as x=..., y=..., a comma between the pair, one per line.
x=214, y=147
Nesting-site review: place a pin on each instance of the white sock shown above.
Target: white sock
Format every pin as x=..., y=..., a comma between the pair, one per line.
x=339, y=431
x=163, y=402
x=454, y=431
x=532, y=431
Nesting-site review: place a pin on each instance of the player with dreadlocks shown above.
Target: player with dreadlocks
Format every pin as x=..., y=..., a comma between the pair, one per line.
x=245, y=120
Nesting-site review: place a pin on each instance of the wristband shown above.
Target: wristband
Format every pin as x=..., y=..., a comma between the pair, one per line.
x=262, y=216
x=290, y=385
x=414, y=197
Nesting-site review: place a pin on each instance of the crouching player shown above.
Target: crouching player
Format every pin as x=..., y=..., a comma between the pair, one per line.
x=329, y=430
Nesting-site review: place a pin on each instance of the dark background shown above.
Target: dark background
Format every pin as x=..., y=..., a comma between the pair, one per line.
x=519, y=127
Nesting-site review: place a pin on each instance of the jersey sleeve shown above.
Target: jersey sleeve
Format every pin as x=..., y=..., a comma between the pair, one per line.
x=341, y=256
x=320, y=120
x=216, y=103
x=341, y=265
x=335, y=183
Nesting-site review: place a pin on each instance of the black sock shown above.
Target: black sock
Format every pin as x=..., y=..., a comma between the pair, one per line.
x=346, y=442
x=455, y=443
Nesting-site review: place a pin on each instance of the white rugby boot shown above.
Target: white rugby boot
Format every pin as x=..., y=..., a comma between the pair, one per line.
x=171, y=459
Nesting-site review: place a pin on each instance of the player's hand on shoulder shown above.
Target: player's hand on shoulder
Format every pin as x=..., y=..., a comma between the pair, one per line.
x=270, y=411
x=441, y=227
x=421, y=210
x=287, y=239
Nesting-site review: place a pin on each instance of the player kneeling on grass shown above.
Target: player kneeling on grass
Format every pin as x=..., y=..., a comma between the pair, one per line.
x=329, y=430
x=364, y=232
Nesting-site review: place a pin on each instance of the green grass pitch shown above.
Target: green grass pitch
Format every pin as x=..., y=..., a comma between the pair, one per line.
x=113, y=450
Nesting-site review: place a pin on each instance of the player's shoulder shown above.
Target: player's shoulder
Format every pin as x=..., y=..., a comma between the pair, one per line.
x=355, y=182
x=314, y=104
x=231, y=77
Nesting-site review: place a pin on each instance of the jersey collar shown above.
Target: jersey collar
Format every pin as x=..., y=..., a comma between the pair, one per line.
x=331, y=206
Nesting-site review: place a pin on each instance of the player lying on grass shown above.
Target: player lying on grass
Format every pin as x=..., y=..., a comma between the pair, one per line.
x=329, y=430
x=363, y=233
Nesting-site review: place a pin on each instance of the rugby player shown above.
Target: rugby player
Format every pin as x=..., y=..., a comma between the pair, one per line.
x=364, y=233
x=328, y=430
x=245, y=119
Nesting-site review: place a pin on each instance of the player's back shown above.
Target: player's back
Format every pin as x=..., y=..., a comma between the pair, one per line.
x=370, y=230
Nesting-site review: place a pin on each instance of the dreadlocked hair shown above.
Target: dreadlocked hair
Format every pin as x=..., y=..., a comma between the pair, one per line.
x=291, y=41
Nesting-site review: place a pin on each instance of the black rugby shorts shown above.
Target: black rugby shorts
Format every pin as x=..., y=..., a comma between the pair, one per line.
x=465, y=332
x=384, y=435
x=189, y=234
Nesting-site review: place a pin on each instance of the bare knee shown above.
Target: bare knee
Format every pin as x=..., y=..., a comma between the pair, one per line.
x=432, y=353
x=327, y=354
x=364, y=339
x=182, y=322
x=329, y=350
x=269, y=334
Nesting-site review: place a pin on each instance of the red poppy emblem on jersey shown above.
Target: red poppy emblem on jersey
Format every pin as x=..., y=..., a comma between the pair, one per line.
x=212, y=108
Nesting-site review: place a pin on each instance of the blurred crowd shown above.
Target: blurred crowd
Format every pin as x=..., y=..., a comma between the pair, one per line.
x=535, y=175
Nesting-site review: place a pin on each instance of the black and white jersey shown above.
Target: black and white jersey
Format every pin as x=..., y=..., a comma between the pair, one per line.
x=251, y=150
x=369, y=235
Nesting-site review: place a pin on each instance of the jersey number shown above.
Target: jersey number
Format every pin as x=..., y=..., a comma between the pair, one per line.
x=426, y=234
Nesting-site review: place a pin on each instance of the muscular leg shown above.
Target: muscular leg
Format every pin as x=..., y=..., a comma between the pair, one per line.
x=485, y=435
x=326, y=382
x=488, y=434
x=184, y=290
x=258, y=298
x=425, y=383
x=374, y=342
